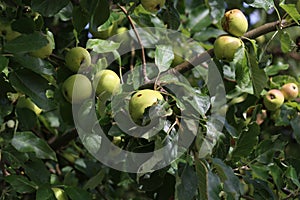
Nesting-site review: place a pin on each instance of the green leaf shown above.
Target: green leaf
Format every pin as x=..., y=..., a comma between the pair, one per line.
x=28, y=142
x=3, y=63
x=276, y=68
x=291, y=10
x=48, y=8
x=21, y=184
x=36, y=170
x=80, y=18
x=186, y=184
x=246, y=142
x=296, y=127
x=23, y=25
x=163, y=57
x=276, y=173
x=102, y=46
x=265, y=4
x=199, y=18
x=292, y=175
x=26, y=43
x=285, y=41
x=37, y=65
x=171, y=16
x=76, y=193
x=217, y=9
x=258, y=76
x=100, y=14
x=32, y=85
x=44, y=193
x=96, y=180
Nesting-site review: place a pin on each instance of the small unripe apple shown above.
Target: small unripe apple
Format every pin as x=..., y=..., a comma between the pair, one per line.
x=153, y=5
x=24, y=102
x=225, y=46
x=290, y=91
x=7, y=32
x=106, y=83
x=273, y=99
x=77, y=88
x=45, y=51
x=235, y=22
x=77, y=57
x=142, y=100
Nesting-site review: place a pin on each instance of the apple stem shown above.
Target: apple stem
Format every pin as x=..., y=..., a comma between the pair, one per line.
x=144, y=64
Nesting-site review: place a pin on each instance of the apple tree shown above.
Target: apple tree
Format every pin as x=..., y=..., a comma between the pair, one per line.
x=149, y=99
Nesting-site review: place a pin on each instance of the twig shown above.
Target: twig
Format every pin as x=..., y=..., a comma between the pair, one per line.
x=144, y=65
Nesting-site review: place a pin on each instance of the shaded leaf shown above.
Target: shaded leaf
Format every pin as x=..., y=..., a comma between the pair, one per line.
x=48, y=8
x=265, y=4
x=21, y=184
x=3, y=63
x=28, y=142
x=100, y=14
x=186, y=184
x=76, y=193
x=163, y=57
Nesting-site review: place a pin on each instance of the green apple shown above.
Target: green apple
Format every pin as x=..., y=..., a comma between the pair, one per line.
x=225, y=46
x=77, y=88
x=7, y=32
x=235, y=22
x=24, y=102
x=141, y=100
x=45, y=51
x=59, y=193
x=106, y=83
x=153, y=5
x=290, y=91
x=273, y=99
x=77, y=57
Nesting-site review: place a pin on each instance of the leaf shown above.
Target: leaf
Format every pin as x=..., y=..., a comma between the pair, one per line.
x=186, y=184
x=292, y=175
x=258, y=76
x=296, y=127
x=26, y=43
x=199, y=18
x=276, y=173
x=36, y=170
x=48, y=8
x=32, y=85
x=227, y=176
x=80, y=18
x=23, y=25
x=3, y=63
x=276, y=68
x=102, y=46
x=100, y=14
x=163, y=57
x=21, y=184
x=96, y=180
x=217, y=9
x=246, y=142
x=171, y=17
x=291, y=10
x=285, y=42
x=76, y=193
x=37, y=65
x=44, y=193
x=265, y=4
x=28, y=142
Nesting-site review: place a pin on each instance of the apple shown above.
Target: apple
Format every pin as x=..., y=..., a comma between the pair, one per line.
x=7, y=32
x=141, y=100
x=77, y=57
x=225, y=46
x=106, y=83
x=153, y=5
x=77, y=88
x=273, y=99
x=45, y=51
x=234, y=22
x=59, y=193
x=290, y=91
x=24, y=102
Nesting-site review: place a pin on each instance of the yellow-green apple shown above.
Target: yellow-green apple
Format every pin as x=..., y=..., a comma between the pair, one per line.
x=106, y=83
x=225, y=46
x=77, y=57
x=235, y=22
x=45, y=51
x=153, y=5
x=141, y=100
x=290, y=91
x=273, y=99
x=77, y=88
x=25, y=102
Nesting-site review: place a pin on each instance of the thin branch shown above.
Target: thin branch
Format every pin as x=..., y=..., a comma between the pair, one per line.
x=144, y=65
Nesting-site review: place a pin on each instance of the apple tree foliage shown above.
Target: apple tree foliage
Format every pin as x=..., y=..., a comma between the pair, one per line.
x=256, y=154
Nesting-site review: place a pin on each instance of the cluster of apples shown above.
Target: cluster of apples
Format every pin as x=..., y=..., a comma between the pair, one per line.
x=274, y=98
x=235, y=23
x=106, y=83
